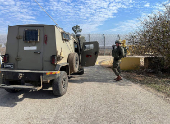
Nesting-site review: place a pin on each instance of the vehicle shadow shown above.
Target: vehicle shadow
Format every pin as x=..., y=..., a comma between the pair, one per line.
x=12, y=99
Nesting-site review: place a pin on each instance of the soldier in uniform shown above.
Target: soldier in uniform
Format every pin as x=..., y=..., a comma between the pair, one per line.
x=117, y=53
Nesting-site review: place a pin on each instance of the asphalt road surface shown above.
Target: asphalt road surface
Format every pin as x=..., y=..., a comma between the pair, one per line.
x=93, y=98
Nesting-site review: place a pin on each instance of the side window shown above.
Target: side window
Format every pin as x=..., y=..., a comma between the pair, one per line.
x=65, y=36
x=88, y=47
x=76, y=47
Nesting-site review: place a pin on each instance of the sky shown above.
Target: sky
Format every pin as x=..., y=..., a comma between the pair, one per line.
x=93, y=16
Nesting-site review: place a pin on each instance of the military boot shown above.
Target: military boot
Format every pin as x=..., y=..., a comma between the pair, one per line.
x=118, y=78
x=115, y=79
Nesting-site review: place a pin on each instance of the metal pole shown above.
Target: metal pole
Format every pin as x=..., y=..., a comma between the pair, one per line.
x=104, y=44
x=89, y=37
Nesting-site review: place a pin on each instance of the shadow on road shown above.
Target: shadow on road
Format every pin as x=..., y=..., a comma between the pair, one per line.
x=98, y=74
x=11, y=99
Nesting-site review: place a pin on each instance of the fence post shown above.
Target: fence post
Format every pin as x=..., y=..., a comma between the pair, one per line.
x=89, y=37
x=104, y=44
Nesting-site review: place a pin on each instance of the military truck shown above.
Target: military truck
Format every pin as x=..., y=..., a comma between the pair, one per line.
x=37, y=54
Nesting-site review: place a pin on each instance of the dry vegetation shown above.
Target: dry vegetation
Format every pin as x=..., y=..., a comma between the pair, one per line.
x=153, y=36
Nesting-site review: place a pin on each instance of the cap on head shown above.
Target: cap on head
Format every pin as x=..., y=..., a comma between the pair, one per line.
x=118, y=41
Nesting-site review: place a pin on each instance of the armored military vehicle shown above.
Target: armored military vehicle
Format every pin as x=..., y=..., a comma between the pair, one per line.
x=38, y=54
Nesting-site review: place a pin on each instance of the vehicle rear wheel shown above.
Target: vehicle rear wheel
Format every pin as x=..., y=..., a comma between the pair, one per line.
x=12, y=90
x=73, y=60
x=60, y=84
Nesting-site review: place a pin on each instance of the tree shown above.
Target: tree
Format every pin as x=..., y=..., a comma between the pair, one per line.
x=153, y=37
x=76, y=29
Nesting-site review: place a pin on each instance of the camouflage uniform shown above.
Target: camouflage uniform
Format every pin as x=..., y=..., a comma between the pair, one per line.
x=116, y=67
x=117, y=60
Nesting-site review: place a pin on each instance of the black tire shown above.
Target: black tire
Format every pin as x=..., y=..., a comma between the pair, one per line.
x=60, y=84
x=12, y=90
x=73, y=60
x=81, y=71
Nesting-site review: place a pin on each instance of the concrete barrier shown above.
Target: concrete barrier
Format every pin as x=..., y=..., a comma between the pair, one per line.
x=135, y=62
x=130, y=63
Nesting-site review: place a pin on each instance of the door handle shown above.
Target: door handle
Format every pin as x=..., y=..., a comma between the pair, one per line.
x=18, y=59
x=96, y=53
x=37, y=52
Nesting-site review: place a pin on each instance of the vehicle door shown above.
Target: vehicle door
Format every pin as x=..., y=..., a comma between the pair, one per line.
x=30, y=50
x=89, y=53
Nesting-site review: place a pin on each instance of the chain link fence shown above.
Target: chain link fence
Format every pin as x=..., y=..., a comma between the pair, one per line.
x=105, y=41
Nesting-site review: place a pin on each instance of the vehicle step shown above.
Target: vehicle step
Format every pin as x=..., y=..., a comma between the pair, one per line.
x=24, y=87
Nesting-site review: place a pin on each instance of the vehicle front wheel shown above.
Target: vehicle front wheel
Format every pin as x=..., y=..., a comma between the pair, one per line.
x=60, y=84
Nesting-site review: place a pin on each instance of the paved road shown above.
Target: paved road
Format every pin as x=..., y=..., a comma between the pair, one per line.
x=93, y=98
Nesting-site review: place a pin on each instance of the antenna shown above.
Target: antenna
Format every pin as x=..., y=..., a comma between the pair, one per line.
x=46, y=12
x=118, y=36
